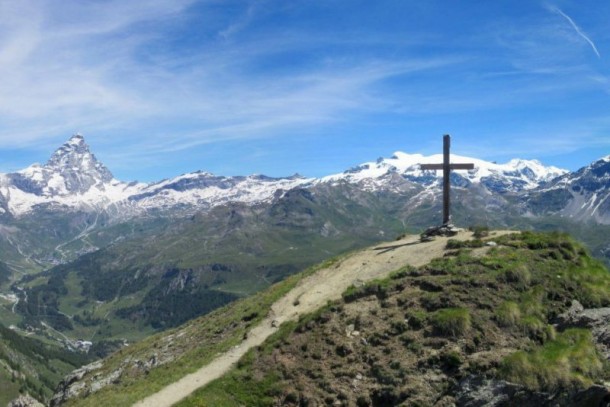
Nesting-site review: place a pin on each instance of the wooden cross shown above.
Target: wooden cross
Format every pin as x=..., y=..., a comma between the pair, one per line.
x=446, y=166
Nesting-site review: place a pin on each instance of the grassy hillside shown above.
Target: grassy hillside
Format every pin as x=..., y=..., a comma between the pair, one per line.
x=29, y=366
x=411, y=338
x=414, y=337
x=163, y=358
x=193, y=266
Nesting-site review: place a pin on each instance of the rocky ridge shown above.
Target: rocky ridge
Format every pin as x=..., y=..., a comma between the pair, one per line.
x=583, y=195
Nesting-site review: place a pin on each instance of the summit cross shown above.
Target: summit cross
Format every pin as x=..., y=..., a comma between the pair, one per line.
x=447, y=167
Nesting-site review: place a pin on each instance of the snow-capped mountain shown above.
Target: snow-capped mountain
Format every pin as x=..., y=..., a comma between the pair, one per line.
x=514, y=176
x=203, y=190
x=581, y=195
x=74, y=178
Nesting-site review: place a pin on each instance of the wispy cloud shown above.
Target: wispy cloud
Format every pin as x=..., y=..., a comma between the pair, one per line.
x=149, y=79
x=576, y=28
x=241, y=22
x=105, y=66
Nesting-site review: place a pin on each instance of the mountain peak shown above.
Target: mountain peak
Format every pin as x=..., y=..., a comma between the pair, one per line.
x=72, y=169
x=75, y=163
x=76, y=140
x=74, y=146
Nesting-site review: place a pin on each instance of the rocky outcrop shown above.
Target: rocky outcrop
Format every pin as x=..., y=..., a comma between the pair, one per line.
x=476, y=391
x=25, y=400
x=595, y=319
x=90, y=379
x=72, y=385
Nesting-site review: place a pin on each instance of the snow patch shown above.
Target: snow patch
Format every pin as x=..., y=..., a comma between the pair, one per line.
x=521, y=174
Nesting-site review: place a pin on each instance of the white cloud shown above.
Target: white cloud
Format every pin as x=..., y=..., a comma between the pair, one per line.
x=95, y=66
x=158, y=76
x=577, y=29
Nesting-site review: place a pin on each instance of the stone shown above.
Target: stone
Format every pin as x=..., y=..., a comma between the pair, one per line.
x=444, y=230
x=477, y=391
x=110, y=379
x=72, y=385
x=595, y=319
x=25, y=400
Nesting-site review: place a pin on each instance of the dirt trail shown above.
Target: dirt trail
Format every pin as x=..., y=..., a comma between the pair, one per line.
x=310, y=294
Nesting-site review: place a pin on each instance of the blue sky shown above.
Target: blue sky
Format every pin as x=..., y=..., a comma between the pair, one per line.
x=163, y=87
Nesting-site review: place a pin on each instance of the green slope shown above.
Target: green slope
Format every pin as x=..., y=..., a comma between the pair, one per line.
x=29, y=366
x=421, y=332
x=410, y=338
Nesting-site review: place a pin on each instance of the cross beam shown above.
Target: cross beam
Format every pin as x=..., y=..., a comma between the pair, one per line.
x=447, y=167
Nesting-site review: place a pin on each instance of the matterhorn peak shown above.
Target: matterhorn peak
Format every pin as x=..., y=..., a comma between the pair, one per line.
x=72, y=169
x=75, y=146
x=74, y=157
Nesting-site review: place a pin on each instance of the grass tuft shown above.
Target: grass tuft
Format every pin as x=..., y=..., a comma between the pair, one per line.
x=569, y=361
x=451, y=321
x=508, y=314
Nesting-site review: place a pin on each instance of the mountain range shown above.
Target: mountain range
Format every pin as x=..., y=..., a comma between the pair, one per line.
x=73, y=178
x=51, y=213
x=87, y=258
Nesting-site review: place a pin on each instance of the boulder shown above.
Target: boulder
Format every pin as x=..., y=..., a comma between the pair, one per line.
x=595, y=319
x=25, y=400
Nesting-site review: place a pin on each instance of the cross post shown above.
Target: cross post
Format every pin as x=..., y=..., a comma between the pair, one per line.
x=447, y=167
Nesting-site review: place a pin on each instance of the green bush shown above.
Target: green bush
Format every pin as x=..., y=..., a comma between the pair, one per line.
x=536, y=329
x=451, y=321
x=479, y=231
x=416, y=319
x=571, y=360
x=519, y=276
x=451, y=360
x=508, y=314
x=531, y=302
x=460, y=244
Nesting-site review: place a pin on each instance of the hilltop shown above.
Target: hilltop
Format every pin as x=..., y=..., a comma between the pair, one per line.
x=480, y=319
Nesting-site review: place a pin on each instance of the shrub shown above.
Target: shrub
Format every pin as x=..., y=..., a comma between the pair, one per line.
x=406, y=271
x=451, y=360
x=454, y=244
x=415, y=319
x=459, y=244
x=451, y=321
x=519, y=276
x=363, y=401
x=479, y=231
x=508, y=314
x=571, y=360
x=532, y=326
x=531, y=303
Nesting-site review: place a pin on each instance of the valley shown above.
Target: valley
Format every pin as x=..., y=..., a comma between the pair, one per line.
x=91, y=264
